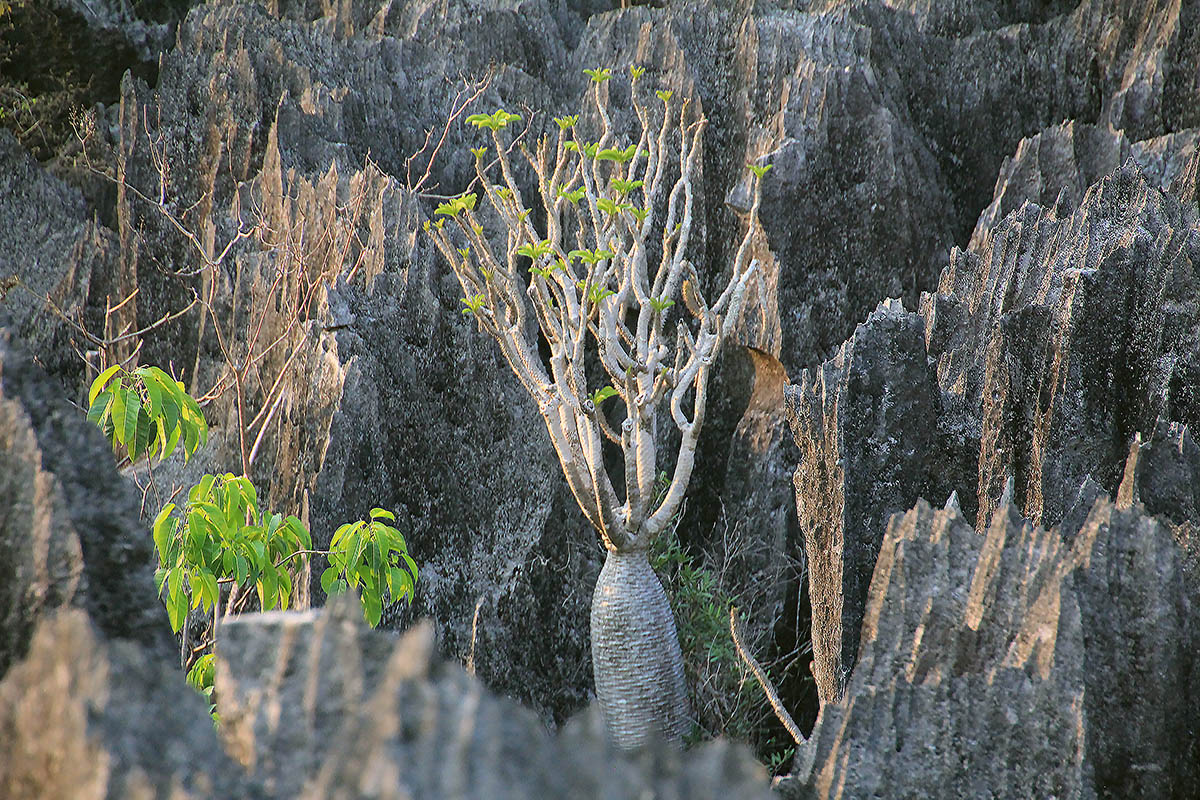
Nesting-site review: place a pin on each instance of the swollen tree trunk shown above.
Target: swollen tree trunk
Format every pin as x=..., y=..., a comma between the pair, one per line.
x=635, y=654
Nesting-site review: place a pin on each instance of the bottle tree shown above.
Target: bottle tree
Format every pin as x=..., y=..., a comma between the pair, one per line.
x=597, y=289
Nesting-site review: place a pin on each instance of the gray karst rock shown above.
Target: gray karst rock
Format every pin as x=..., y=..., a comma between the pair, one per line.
x=867, y=428
x=383, y=720
x=1054, y=143
x=70, y=533
x=85, y=718
x=1003, y=664
x=1053, y=342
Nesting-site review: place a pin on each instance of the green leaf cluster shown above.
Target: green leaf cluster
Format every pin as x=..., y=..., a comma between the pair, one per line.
x=147, y=412
x=588, y=150
x=473, y=303
x=574, y=196
x=759, y=171
x=536, y=250
x=618, y=155
x=590, y=256
x=201, y=678
x=622, y=187
x=660, y=305
x=220, y=534
x=599, y=75
x=567, y=122
x=452, y=208
x=372, y=557
x=611, y=208
x=495, y=121
x=602, y=394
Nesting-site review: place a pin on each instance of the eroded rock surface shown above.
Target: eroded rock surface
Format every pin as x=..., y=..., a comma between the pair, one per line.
x=320, y=707
x=1019, y=662
x=70, y=533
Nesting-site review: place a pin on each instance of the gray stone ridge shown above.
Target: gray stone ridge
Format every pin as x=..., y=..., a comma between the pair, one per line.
x=1017, y=662
x=314, y=705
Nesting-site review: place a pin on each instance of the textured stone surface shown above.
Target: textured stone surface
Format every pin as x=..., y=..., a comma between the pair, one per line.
x=82, y=718
x=867, y=428
x=320, y=707
x=1018, y=663
x=70, y=533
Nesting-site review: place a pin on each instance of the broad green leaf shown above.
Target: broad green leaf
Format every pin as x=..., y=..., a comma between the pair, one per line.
x=117, y=414
x=141, y=441
x=208, y=589
x=268, y=586
x=242, y=573
x=340, y=533
x=602, y=394
x=172, y=441
x=301, y=532
x=285, y=589
x=153, y=393
x=177, y=612
x=260, y=555
x=196, y=586
x=329, y=580
x=382, y=513
x=163, y=531
x=412, y=565
x=101, y=381
x=191, y=439
x=99, y=409
x=203, y=489
x=128, y=421
x=372, y=608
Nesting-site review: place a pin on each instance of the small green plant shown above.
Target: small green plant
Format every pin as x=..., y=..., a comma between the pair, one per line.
x=618, y=155
x=664, y=95
x=636, y=72
x=473, y=303
x=599, y=75
x=146, y=411
x=660, y=305
x=623, y=188
x=200, y=677
x=220, y=536
x=536, y=250
x=452, y=208
x=567, y=122
x=759, y=171
x=370, y=556
x=602, y=394
x=495, y=121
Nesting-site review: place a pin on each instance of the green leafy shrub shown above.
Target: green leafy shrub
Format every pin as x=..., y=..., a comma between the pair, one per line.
x=220, y=536
x=147, y=412
x=370, y=556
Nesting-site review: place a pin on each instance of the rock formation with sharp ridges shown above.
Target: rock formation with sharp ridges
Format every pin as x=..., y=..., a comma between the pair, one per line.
x=1010, y=643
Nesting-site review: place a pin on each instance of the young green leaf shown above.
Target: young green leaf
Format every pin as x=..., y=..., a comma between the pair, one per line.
x=664, y=95
x=479, y=152
x=623, y=187
x=567, y=122
x=636, y=72
x=602, y=394
x=599, y=75
x=99, y=410
x=759, y=171
x=101, y=381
